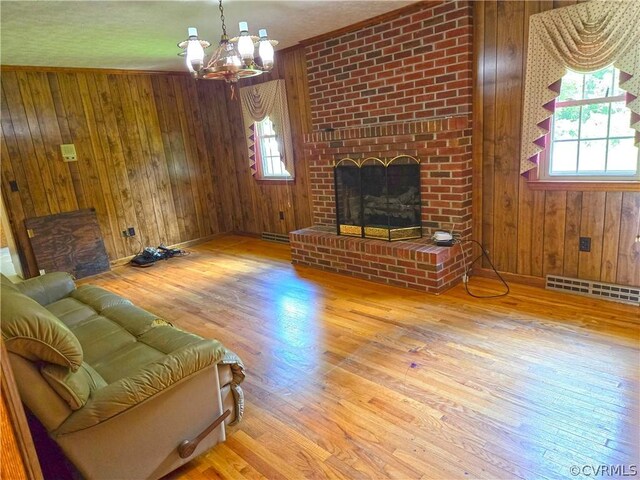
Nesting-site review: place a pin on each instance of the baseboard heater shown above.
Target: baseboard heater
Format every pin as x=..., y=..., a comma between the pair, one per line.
x=606, y=291
x=275, y=237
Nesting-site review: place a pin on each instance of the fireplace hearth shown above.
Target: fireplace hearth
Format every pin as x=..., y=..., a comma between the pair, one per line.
x=378, y=198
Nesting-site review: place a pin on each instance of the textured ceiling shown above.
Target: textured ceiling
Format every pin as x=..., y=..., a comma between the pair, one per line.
x=142, y=35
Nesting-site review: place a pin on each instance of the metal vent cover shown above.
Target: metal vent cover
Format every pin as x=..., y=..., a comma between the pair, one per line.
x=606, y=291
x=275, y=237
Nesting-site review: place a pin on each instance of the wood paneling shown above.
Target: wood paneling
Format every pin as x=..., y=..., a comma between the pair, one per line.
x=262, y=201
x=159, y=152
x=508, y=93
x=628, y=271
x=140, y=159
x=529, y=231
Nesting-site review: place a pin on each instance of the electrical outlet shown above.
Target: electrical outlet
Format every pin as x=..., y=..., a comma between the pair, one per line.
x=131, y=231
x=585, y=244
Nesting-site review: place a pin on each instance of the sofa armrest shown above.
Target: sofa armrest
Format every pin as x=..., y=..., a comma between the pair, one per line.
x=48, y=288
x=128, y=392
x=142, y=442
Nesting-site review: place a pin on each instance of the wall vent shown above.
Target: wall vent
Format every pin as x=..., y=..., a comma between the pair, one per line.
x=275, y=237
x=606, y=291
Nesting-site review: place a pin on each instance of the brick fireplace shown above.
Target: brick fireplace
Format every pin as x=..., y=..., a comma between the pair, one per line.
x=401, y=87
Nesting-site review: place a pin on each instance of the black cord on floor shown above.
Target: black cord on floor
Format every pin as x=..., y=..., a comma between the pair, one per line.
x=467, y=268
x=141, y=246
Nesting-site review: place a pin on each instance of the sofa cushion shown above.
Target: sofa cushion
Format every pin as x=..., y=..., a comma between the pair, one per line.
x=134, y=319
x=33, y=332
x=98, y=298
x=74, y=387
x=71, y=311
x=168, y=339
x=101, y=338
x=48, y=288
x=126, y=361
x=152, y=346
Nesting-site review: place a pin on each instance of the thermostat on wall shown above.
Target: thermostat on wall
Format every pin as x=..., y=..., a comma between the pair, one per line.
x=69, y=152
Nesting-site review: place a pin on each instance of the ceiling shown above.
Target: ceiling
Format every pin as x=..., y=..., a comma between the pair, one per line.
x=142, y=35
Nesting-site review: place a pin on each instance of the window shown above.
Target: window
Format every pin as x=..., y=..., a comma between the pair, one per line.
x=270, y=164
x=590, y=135
x=265, y=116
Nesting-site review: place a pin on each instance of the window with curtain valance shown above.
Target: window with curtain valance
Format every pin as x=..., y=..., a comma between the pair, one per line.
x=583, y=38
x=266, y=121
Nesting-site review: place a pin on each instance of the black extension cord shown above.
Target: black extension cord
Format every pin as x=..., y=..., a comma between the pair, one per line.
x=468, y=268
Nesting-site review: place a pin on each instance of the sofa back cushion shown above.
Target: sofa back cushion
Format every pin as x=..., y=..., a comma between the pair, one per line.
x=74, y=387
x=7, y=284
x=48, y=288
x=33, y=332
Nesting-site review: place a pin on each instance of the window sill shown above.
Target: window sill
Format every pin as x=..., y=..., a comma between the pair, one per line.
x=585, y=186
x=274, y=181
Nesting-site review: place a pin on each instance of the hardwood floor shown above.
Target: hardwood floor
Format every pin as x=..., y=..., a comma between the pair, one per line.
x=350, y=379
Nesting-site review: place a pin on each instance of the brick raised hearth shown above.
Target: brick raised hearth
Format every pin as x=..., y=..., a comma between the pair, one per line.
x=415, y=264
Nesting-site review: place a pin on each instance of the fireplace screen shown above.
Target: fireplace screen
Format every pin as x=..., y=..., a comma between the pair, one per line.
x=377, y=198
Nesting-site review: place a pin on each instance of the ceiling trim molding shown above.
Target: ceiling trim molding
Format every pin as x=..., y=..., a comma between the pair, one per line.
x=108, y=71
x=369, y=22
x=288, y=49
x=117, y=71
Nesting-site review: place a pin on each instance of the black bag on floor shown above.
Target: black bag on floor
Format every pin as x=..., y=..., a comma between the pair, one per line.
x=147, y=258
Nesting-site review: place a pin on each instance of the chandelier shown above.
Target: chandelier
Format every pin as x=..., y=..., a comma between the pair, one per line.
x=233, y=59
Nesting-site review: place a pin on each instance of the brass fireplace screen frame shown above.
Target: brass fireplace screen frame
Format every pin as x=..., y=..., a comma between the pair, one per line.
x=376, y=231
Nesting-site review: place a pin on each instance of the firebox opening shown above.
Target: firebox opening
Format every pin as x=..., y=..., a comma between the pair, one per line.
x=377, y=198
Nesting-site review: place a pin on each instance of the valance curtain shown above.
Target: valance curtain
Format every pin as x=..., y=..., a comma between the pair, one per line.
x=263, y=100
x=585, y=37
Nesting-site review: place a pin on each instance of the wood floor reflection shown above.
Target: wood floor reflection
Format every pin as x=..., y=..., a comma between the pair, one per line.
x=350, y=379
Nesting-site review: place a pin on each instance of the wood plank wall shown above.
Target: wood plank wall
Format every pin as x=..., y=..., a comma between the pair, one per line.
x=158, y=152
x=262, y=201
x=535, y=232
x=142, y=161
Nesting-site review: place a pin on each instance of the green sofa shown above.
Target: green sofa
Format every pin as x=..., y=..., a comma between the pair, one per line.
x=121, y=391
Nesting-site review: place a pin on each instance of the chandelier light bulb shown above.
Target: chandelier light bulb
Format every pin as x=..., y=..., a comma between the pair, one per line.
x=265, y=50
x=195, y=52
x=231, y=58
x=245, y=43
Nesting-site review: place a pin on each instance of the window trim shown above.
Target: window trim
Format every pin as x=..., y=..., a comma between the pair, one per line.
x=583, y=185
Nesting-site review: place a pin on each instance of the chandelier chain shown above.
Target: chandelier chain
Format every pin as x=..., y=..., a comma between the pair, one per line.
x=224, y=27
